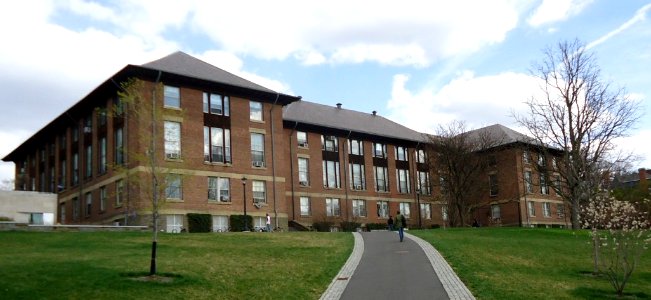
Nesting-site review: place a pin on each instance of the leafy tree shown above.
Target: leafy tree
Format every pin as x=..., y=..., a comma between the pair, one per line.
x=582, y=115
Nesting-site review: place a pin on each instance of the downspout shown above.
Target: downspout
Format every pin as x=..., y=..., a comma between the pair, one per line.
x=291, y=168
x=273, y=157
x=346, y=174
x=416, y=192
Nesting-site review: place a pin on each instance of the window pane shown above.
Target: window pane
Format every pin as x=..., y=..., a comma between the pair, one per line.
x=172, y=139
x=172, y=96
x=255, y=110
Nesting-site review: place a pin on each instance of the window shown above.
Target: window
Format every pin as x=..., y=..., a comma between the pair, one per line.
x=119, y=146
x=75, y=209
x=542, y=160
x=423, y=183
x=383, y=209
x=496, y=212
x=303, y=171
x=257, y=149
x=102, y=198
x=332, y=207
x=444, y=213
x=215, y=104
x=174, y=223
x=528, y=187
x=62, y=180
x=102, y=155
x=526, y=157
x=329, y=143
x=172, y=140
x=544, y=189
x=36, y=218
x=255, y=112
x=75, y=134
x=403, y=181
x=557, y=185
x=381, y=179
x=62, y=213
x=404, y=209
x=119, y=192
x=101, y=116
x=401, y=153
x=301, y=138
x=219, y=189
x=216, y=144
x=259, y=192
x=89, y=161
x=379, y=150
x=172, y=96
x=356, y=147
x=358, y=181
x=532, y=209
x=554, y=163
x=492, y=181
x=420, y=156
x=88, y=124
x=259, y=223
x=331, y=178
x=173, y=186
x=305, y=206
x=219, y=223
x=547, y=209
x=89, y=204
x=560, y=210
x=426, y=211
x=359, y=208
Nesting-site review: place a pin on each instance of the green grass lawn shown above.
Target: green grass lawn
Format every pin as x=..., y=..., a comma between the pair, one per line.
x=101, y=265
x=519, y=263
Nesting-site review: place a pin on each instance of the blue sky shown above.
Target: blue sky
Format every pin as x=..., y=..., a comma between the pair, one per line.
x=423, y=64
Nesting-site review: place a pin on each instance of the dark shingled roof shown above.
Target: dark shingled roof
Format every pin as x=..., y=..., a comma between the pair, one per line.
x=501, y=134
x=183, y=64
x=344, y=119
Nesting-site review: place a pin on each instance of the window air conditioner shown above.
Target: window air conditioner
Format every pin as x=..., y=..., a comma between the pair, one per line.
x=173, y=155
x=224, y=198
x=258, y=164
x=304, y=145
x=303, y=183
x=88, y=129
x=358, y=187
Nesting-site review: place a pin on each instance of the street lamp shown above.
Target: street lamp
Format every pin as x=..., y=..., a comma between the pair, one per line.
x=246, y=224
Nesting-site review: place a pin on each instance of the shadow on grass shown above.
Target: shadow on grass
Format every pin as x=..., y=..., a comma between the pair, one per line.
x=591, y=293
x=162, y=278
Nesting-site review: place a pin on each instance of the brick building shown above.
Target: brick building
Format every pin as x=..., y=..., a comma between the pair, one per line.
x=222, y=137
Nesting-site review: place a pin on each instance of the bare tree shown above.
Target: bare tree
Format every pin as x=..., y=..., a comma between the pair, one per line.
x=148, y=173
x=458, y=157
x=580, y=114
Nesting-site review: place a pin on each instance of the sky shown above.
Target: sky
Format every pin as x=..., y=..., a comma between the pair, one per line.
x=419, y=63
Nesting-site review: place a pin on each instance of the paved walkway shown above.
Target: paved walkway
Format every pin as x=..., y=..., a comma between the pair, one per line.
x=381, y=267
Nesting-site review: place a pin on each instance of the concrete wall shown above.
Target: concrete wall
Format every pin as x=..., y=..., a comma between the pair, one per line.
x=18, y=205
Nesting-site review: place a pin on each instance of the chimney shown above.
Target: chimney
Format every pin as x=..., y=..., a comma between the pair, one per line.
x=339, y=105
x=374, y=113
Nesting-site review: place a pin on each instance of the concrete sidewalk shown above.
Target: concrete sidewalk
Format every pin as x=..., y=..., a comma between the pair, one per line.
x=381, y=267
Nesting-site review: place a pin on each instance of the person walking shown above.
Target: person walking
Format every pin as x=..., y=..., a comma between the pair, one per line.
x=390, y=222
x=268, y=223
x=400, y=224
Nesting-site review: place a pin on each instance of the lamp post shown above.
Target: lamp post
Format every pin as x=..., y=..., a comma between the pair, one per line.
x=246, y=224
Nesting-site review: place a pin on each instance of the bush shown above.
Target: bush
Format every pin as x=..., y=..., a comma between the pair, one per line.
x=349, y=226
x=436, y=226
x=199, y=222
x=237, y=222
x=376, y=226
x=323, y=226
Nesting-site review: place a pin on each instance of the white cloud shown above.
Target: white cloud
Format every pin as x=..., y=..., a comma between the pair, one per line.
x=479, y=101
x=551, y=11
x=10, y=140
x=417, y=34
x=640, y=16
x=638, y=145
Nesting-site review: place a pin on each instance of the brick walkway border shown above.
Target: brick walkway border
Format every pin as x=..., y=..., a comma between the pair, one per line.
x=451, y=282
x=339, y=283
